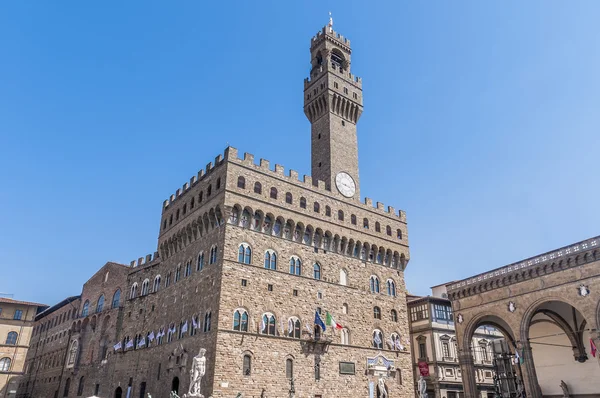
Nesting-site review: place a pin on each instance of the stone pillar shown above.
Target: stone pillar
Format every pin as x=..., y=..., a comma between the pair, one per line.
x=467, y=367
x=530, y=380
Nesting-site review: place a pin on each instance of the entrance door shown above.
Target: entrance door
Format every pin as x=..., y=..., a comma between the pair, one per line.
x=118, y=392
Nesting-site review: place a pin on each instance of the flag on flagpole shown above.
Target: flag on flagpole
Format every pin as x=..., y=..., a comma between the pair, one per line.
x=593, y=348
x=290, y=326
x=517, y=357
x=194, y=323
x=521, y=357
x=399, y=345
x=184, y=328
x=331, y=322
x=141, y=342
x=319, y=321
x=263, y=326
x=151, y=336
x=391, y=343
x=129, y=344
x=118, y=346
x=308, y=328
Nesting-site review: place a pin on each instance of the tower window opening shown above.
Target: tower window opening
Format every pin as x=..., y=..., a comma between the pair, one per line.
x=345, y=90
x=343, y=123
x=337, y=62
x=336, y=85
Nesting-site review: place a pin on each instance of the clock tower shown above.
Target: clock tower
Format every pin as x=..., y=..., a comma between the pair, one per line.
x=333, y=105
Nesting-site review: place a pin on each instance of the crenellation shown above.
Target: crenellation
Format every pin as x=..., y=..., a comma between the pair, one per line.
x=218, y=159
x=279, y=169
x=248, y=158
x=209, y=167
x=178, y=192
x=368, y=202
x=172, y=198
x=201, y=174
x=148, y=258
x=132, y=263
x=265, y=164
x=293, y=174
x=193, y=180
x=380, y=206
x=308, y=180
x=392, y=210
x=321, y=184
x=140, y=261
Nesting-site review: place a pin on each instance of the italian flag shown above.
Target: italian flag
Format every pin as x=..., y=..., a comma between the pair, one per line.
x=331, y=322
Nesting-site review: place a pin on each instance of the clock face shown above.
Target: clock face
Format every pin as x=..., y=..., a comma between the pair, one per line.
x=345, y=184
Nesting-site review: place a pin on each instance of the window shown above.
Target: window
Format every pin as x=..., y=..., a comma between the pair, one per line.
x=353, y=219
x=219, y=183
x=388, y=230
x=240, y=320
x=116, y=299
x=244, y=282
x=395, y=342
x=365, y=223
x=344, y=308
x=419, y=312
x=257, y=188
x=241, y=182
x=328, y=211
x=192, y=203
x=200, y=263
x=295, y=292
x=133, y=291
x=295, y=266
x=288, y=198
x=376, y=313
x=100, y=304
x=294, y=328
x=177, y=215
x=399, y=234
x=374, y=284
x=317, y=271
x=86, y=308
x=178, y=273
x=268, y=324
x=207, y=318
x=303, y=203
x=244, y=253
x=345, y=336
x=377, y=339
x=391, y=288
x=67, y=387
x=80, y=387
x=377, y=227
x=156, y=284
x=422, y=347
x=394, y=315
x=18, y=315
x=289, y=368
x=73, y=353
x=445, y=349
x=213, y=255
x=273, y=193
x=343, y=277
x=145, y=287
x=270, y=260
x=340, y=215
x=317, y=207
x=442, y=312
x=168, y=280
x=11, y=339
x=200, y=197
x=247, y=366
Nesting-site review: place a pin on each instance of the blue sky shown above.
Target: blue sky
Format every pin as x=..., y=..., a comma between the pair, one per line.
x=481, y=121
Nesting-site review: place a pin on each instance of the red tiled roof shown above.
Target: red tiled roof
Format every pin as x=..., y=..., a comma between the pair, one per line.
x=11, y=301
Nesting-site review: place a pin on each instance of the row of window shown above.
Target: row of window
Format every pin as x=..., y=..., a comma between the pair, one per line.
x=54, y=337
x=187, y=271
x=289, y=199
x=183, y=210
x=57, y=320
x=116, y=300
x=18, y=315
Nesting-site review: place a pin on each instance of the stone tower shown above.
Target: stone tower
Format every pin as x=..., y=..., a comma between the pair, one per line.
x=333, y=105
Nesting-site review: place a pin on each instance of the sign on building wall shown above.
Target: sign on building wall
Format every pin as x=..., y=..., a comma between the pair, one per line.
x=347, y=368
x=423, y=368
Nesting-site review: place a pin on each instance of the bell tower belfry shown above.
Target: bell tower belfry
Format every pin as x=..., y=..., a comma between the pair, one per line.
x=333, y=105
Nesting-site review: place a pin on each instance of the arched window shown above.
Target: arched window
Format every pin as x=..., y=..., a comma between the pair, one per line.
x=317, y=271
x=200, y=262
x=73, y=353
x=394, y=315
x=377, y=227
x=156, y=285
x=317, y=207
x=200, y=197
x=340, y=215
x=80, y=387
x=245, y=253
x=100, y=304
x=116, y=299
x=257, y=188
x=353, y=219
x=294, y=328
x=11, y=339
x=365, y=223
x=247, y=365
x=345, y=336
x=241, y=182
x=328, y=211
x=270, y=260
x=396, y=344
x=374, y=284
x=67, y=387
x=344, y=308
x=376, y=312
x=377, y=339
x=145, y=287
x=213, y=255
x=240, y=320
x=289, y=368
x=273, y=193
x=192, y=202
x=343, y=277
x=133, y=291
x=219, y=183
x=391, y=288
x=86, y=308
x=188, y=268
x=295, y=266
x=207, y=318
x=168, y=279
x=388, y=230
x=399, y=234
x=303, y=203
x=178, y=273
x=288, y=198
x=268, y=324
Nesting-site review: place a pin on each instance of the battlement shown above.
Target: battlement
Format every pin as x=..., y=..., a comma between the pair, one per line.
x=264, y=165
x=356, y=80
x=144, y=260
x=193, y=181
x=328, y=31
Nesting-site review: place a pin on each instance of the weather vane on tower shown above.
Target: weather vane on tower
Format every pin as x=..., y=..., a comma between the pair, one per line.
x=330, y=24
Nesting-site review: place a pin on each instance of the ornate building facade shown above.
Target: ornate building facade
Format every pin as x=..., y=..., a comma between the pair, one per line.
x=295, y=288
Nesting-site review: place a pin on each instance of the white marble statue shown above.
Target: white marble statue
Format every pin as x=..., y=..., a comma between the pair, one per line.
x=422, y=387
x=382, y=390
x=196, y=373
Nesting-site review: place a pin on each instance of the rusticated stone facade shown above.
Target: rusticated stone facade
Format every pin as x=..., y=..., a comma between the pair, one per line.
x=245, y=252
